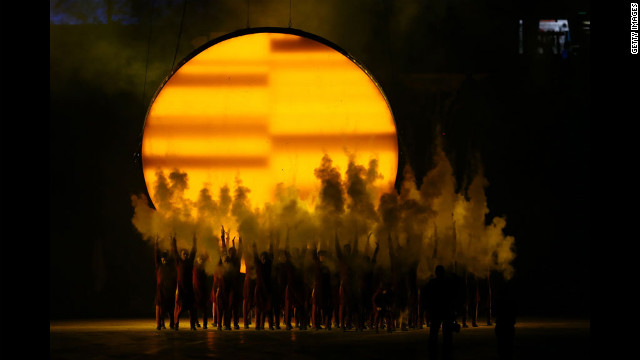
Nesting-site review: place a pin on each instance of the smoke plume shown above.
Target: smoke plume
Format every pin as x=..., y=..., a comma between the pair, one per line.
x=429, y=225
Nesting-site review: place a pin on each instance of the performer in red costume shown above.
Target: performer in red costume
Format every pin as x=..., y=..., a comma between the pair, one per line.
x=166, y=284
x=184, y=292
x=200, y=289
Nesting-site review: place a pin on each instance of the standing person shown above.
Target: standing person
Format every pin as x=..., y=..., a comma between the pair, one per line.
x=292, y=285
x=184, y=291
x=278, y=284
x=262, y=295
x=506, y=310
x=227, y=284
x=347, y=296
x=166, y=284
x=217, y=294
x=441, y=306
x=411, y=273
x=473, y=296
x=308, y=268
x=248, y=293
x=367, y=288
x=235, y=283
x=200, y=289
x=226, y=293
x=296, y=302
x=399, y=284
x=423, y=319
x=382, y=301
x=413, y=296
x=321, y=294
x=278, y=287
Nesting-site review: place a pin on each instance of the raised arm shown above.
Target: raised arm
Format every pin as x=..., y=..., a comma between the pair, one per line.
x=224, y=243
x=337, y=244
x=156, y=252
x=366, y=245
x=192, y=254
x=174, y=248
x=239, y=251
x=375, y=253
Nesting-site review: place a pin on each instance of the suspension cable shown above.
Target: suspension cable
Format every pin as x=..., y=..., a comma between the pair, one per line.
x=146, y=67
x=184, y=7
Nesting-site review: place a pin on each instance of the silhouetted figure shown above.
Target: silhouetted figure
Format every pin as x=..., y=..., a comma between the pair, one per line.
x=184, y=292
x=248, y=293
x=278, y=286
x=505, y=318
x=481, y=299
x=285, y=283
x=308, y=267
x=366, y=288
x=218, y=297
x=474, y=299
x=441, y=305
x=219, y=294
x=226, y=292
x=467, y=299
x=166, y=284
x=411, y=274
x=263, y=289
x=399, y=282
x=201, y=291
x=347, y=303
x=322, y=291
x=334, y=307
x=382, y=302
x=423, y=319
x=235, y=285
x=294, y=291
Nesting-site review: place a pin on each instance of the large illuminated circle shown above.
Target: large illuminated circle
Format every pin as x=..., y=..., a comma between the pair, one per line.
x=264, y=106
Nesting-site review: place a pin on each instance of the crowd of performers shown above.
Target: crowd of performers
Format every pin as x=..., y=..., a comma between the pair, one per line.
x=307, y=288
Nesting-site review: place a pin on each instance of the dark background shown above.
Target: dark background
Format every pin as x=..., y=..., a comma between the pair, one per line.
x=446, y=66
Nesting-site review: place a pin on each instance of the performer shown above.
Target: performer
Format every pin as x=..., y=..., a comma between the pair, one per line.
x=184, y=292
x=166, y=283
x=347, y=297
x=248, y=293
x=398, y=283
x=442, y=294
x=322, y=294
x=382, y=301
x=200, y=289
x=366, y=287
x=235, y=284
x=262, y=295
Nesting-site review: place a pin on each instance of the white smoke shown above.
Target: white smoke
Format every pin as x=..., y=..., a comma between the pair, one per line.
x=432, y=224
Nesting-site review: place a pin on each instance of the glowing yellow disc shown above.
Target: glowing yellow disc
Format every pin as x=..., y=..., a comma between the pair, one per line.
x=265, y=107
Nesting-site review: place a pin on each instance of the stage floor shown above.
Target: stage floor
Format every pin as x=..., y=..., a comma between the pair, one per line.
x=138, y=339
